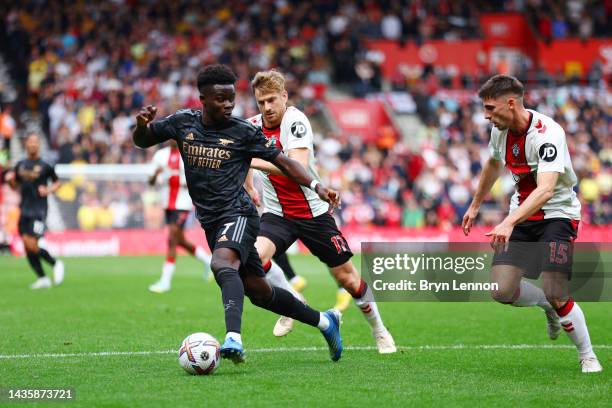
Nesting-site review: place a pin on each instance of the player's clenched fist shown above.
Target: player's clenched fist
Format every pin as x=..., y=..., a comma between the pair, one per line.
x=146, y=115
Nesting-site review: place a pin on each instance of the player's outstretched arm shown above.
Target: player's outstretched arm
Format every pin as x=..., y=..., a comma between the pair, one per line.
x=295, y=171
x=300, y=154
x=153, y=178
x=262, y=165
x=142, y=135
x=249, y=186
x=490, y=174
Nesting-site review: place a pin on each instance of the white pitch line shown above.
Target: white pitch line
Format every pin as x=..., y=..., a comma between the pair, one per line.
x=308, y=349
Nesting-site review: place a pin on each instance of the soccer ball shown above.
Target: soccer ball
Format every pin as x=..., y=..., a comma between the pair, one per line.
x=200, y=354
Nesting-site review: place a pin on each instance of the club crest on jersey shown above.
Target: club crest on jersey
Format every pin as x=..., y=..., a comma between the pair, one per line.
x=518, y=177
x=225, y=142
x=189, y=136
x=515, y=150
x=271, y=142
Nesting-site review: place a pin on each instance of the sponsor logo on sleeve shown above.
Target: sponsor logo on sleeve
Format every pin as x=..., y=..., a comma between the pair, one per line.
x=298, y=129
x=548, y=152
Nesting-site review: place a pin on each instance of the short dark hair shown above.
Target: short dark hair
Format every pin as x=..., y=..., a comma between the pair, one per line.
x=216, y=74
x=500, y=85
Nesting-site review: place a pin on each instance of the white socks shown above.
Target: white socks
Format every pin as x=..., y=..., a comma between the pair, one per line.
x=234, y=336
x=202, y=255
x=167, y=272
x=573, y=322
x=531, y=295
x=369, y=308
x=276, y=277
x=323, y=322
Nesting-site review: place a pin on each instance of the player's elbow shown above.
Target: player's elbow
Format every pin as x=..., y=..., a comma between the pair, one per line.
x=138, y=142
x=547, y=192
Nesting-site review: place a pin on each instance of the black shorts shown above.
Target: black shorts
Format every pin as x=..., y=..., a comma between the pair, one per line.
x=320, y=235
x=178, y=217
x=536, y=246
x=238, y=233
x=33, y=226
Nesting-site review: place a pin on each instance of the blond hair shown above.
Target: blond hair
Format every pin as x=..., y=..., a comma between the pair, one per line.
x=268, y=81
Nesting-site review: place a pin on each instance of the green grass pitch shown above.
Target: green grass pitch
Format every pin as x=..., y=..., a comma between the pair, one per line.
x=451, y=354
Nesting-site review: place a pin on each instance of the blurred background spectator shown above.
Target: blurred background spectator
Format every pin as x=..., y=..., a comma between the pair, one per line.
x=82, y=71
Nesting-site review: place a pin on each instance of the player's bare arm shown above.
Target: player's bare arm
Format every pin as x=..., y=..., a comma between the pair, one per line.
x=300, y=154
x=295, y=171
x=249, y=186
x=533, y=203
x=11, y=180
x=142, y=135
x=490, y=174
x=153, y=178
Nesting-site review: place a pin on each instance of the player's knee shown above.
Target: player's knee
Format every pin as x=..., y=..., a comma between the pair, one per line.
x=556, y=298
x=31, y=245
x=258, y=293
x=173, y=235
x=224, y=258
x=265, y=248
x=503, y=294
x=218, y=263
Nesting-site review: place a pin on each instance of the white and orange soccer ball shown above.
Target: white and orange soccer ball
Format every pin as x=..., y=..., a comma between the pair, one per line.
x=200, y=354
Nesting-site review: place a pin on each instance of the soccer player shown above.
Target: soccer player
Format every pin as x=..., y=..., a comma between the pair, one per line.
x=292, y=211
x=217, y=149
x=544, y=209
x=31, y=176
x=170, y=169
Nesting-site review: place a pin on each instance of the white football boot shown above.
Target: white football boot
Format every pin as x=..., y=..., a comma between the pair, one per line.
x=58, y=272
x=41, y=283
x=591, y=365
x=384, y=342
x=283, y=326
x=159, y=287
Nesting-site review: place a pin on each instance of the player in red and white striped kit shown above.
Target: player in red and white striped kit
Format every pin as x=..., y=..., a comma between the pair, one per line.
x=538, y=234
x=293, y=212
x=170, y=171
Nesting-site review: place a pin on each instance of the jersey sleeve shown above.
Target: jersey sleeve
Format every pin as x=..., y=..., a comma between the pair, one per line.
x=550, y=147
x=494, y=149
x=164, y=129
x=298, y=132
x=52, y=174
x=16, y=170
x=261, y=147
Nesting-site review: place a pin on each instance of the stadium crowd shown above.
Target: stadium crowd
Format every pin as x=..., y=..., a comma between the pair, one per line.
x=91, y=66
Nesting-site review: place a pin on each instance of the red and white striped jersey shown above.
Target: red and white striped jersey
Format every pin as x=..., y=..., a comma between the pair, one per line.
x=542, y=148
x=281, y=195
x=174, y=192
